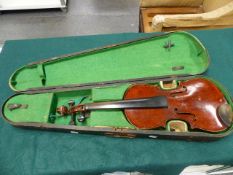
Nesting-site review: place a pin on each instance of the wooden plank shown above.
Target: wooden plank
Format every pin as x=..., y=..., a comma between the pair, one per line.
x=185, y=18
x=219, y=17
x=171, y=3
x=167, y=29
x=146, y=14
x=209, y=5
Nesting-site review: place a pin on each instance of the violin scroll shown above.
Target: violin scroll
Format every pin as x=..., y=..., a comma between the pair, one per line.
x=64, y=111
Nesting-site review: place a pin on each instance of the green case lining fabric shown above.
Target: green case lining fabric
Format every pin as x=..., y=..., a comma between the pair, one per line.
x=115, y=119
x=46, y=105
x=108, y=118
x=41, y=72
x=37, y=110
x=139, y=59
x=109, y=93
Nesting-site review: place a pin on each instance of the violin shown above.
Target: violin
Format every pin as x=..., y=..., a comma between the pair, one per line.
x=198, y=102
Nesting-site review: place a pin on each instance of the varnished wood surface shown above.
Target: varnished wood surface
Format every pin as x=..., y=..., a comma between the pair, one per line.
x=195, y=101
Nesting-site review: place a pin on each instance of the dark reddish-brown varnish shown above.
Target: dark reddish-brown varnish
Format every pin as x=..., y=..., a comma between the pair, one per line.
x=194, y=101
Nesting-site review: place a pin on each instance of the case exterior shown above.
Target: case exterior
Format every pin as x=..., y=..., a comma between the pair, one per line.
x=116, y=132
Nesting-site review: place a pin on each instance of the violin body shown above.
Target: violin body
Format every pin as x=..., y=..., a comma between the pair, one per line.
x=194, y=101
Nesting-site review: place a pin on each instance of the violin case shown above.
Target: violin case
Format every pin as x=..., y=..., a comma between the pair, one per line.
x=104, y=74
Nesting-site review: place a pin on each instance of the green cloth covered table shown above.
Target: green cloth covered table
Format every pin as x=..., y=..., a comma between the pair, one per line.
x=31, y=152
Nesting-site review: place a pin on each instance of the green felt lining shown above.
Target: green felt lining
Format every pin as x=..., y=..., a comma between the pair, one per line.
x=109, y=93
x=37, y=111
x=138, y=59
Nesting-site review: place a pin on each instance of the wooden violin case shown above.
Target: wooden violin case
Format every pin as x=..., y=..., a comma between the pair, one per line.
x=167, y=62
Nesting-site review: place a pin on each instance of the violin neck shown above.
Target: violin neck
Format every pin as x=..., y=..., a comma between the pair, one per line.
x=152, y=102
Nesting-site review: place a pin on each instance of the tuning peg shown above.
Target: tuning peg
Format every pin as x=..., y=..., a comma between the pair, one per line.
x=81, y=118
x=71, y=103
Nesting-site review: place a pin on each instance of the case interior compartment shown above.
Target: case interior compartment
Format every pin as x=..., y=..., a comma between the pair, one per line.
x=42, y=106
x=166, y=55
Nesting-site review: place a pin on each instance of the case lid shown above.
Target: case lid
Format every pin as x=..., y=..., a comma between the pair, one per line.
x=168, y=55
